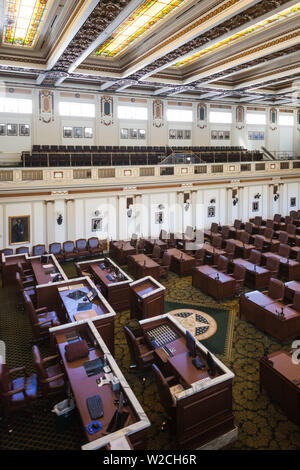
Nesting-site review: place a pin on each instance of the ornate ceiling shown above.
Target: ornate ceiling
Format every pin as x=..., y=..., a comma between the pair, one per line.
x=233, y=50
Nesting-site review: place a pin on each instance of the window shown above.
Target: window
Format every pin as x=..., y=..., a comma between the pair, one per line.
x=70, y=108
x=255, y=118
x=15, y=105
x=179, y=115
x=218, y=117
x=286, y=120
x=133, y=112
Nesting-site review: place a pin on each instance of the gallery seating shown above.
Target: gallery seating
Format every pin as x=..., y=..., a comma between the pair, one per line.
x=56, y=250
x=38, y=250
x=69, y=251
x=22, y=249
x=95, y=246
x=82, y=248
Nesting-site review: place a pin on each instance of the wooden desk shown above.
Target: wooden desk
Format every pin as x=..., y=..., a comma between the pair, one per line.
x=70, y=305
x=256, y=276
x=82, y=386
x=150, y=242
x=147, y=298
x=287, y=270
x=214, y=252
x=115, y=291
x=207, y=397
x=282, y=381
x=200, y=276
x=241, y=249
x=290, y=288
x=45, y=272
x=265, y=316
x=181, y=263
x=221, y=288
x=141, y=266
x=121, y=250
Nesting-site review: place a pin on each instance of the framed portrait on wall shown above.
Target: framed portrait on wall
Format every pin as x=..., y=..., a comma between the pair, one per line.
x=133, y=133
x=2, y=129
x=159, y=217
x=226, y=135
x=12, y=129
x=180, y=134
x=172, y=133
x=211, y=211
x=293, y=202
x=261, y=135
x=255, y=206
x=221, y=135
x=214, y=135
x=78, y=132
x=67, y=132
x=19, y=229
x=24, y=130
x=142, y=134
x=187, y=134
x=88, y=132
x=96, y=224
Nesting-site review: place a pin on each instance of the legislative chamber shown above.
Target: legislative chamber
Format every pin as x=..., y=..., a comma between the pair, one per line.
x=149, y=228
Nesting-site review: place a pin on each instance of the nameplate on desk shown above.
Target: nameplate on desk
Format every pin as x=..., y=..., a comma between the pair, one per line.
x=62, y=289
x=84, y=306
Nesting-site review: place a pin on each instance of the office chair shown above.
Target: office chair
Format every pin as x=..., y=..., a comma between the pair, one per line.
x=69, y=251
x=51, y=377
x=6, y=252
x=38, y=250
x=276, y=289
x=140, y=248
x=156, y=253
x=200, y=256
x=272, y=265
x=230, y=249
x=22, y=249
x=284, y=250
x=165, y=265
x=16, y=394
x=133, y=240
x=26, y=275
x=255, y=257
x=216, y=241
x=239, y=275
x=222, y=264
x=141, y=355
x=40, y=318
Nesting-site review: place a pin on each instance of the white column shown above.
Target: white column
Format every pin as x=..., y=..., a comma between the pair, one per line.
x=200, y=210
x=122, y=218
x=222, y=206
x=179, y=212
x=265, y=201
x=172, y=212
x=229, y=207
x=50, y=222
x=70, y=220
x=284, y=200
x=246, y=204
x=270, y=201
x=145, y=217
x=240, y=202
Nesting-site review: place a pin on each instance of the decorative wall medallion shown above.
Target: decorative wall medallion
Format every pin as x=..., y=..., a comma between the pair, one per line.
x=107, y=112
x=201, y=115
x=46, y=106
x=273, y=118
x=240, y=117
x=158, y=113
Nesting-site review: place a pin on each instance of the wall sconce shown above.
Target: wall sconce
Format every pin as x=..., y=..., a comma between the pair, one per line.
x=161, y=207
x=257, y=196
x=187, y=205
x=59, y=219
x=212, y=201
x=235, y=201
x=276, y=197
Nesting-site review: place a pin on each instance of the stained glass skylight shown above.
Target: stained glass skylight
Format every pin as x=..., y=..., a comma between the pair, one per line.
x=22, y=21
x=286, y=13
x=140, y=21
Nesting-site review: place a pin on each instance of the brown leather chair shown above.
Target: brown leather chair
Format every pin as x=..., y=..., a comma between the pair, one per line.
x=19, y=393
x=156, y=253
x=140, y=353
x=237, y=226
x=245, y=237
x=216, y=241
x=256, y=223
x=133, y=240
x=269, y=224
x=95, y=246
x=283, y=237
x=172, y=241
x=164, y=392
x=296, y=302
x=249, y=227
x=22, y=249
x=30, y=288
x=165, y=265
x=6, y=252
x=214, y=230
x=272, y=265
x=38, y=250
x=255, y=257
x=69, y=251
x=239, y=274
x=284, y=250
x=50, y=374
x=259, y=242
x=225, y=232
x=40, y=318
x=82, y=248
x=55, y=249
x=291, y=231
x=276, y=289
x=26, y=275
x=230, y=249
x=222, y=264
x=200, y=256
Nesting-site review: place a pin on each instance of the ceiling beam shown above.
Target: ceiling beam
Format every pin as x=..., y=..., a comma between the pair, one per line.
x=162, y=90
x=106, y=85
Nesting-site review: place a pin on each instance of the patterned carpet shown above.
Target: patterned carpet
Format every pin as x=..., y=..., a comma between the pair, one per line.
x=261, y=423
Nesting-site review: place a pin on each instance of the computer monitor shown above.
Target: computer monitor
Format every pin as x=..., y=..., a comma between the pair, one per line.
x=190, y=343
